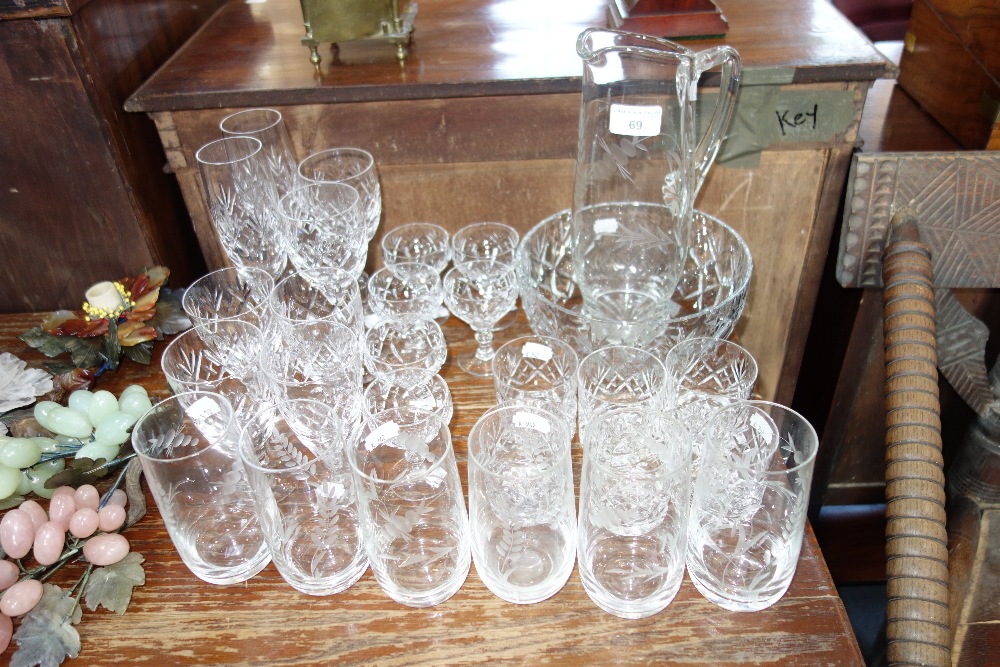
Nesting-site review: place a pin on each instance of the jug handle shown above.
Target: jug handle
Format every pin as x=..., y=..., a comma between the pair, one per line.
x=731, y=66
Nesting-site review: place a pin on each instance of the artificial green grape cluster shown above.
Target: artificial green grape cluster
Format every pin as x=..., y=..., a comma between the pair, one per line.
x=93, y=425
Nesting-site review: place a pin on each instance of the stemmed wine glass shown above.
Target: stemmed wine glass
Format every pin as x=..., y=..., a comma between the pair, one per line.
x=355, y=167
x=479, y=293
x=489, y=241
x=325, y=225
x=405, y=346
x=421, y=242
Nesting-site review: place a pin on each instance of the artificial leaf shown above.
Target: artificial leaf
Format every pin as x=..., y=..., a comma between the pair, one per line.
x=81, y=471
x=46, y=636
x=84, y=353
x=111, y=586
x=44, y=342
x=133, y=489
x=141, y=353
x=170, y=317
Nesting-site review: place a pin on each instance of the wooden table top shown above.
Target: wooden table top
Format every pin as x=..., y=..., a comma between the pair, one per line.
x=249, y=54
x=176, y=619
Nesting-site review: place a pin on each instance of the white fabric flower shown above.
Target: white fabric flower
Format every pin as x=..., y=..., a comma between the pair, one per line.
x=19, y=385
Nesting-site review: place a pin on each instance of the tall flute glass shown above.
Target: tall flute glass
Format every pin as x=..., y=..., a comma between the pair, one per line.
x=268, y=127
x=479, y=293
x=242, y=202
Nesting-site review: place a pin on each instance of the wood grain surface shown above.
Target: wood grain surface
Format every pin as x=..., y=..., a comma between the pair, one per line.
x=251, y=54
x=175, y=619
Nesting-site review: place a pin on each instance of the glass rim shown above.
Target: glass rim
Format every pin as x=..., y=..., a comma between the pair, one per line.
x=194, y=332
x=275, y=409
x=368, y=162
x=359, y=441
x=320, y=185
x=201, y=155
x=435, y=381
x=552, y=342
x=266, y=111
x=766, y=407
x=644, y=410
x=400, y=230
x=202, y=281
x=160, y=406
x=551, y=416
x=459, y=235
x=524, y=259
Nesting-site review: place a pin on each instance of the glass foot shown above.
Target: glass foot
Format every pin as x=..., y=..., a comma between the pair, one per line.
x=473, y=365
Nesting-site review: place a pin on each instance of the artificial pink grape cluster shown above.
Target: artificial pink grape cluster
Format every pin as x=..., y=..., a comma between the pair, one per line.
x=77, y=522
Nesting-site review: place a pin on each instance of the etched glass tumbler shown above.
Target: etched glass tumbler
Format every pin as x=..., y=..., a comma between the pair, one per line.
x=268, y=127
x=325, y=225
x=355, y=167
x=750, y=500
x=187, y=445
x=538, y=370
x=413, y=516
x=635, y=493
x=294, y=458
x=521, y=502
x=479, y=293
x=242, y=202
x=229, y=293
x=703, y=375
x=618, y=376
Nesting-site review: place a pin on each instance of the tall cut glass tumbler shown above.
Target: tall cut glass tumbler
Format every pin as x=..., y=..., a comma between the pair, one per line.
x=187, y=445
x=416, y=529
x=297, y=468
x=521, y=502
x=635, y=492
x=749, y=510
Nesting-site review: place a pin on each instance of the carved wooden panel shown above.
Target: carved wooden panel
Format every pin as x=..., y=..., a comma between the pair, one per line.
x=956, y=199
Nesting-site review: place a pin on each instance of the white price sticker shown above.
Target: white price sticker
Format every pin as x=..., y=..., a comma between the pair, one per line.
x=534, y=422
x=606, y=226
x=635, y=121
x=383, y=433
x=536, y=351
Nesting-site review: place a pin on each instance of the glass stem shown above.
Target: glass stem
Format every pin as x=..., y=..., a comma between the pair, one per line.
x=484, y=352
